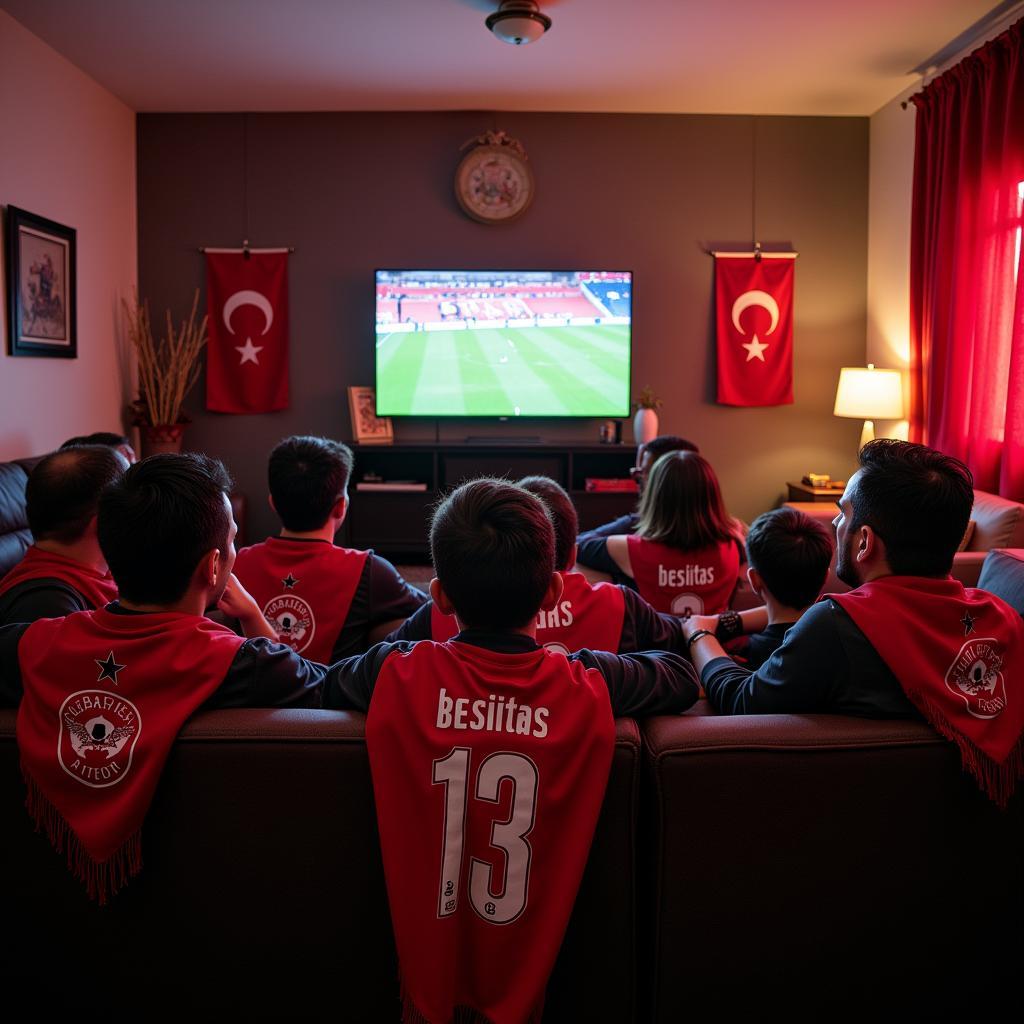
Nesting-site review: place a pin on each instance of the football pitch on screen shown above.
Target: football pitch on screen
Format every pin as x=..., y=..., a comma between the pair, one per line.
x=529, y=371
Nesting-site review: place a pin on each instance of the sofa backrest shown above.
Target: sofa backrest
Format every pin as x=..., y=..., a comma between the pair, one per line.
x=999, y=523
x=15, y=536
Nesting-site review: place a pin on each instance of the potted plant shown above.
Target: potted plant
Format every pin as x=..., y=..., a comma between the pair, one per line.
x=645, y=423
x=168, y=370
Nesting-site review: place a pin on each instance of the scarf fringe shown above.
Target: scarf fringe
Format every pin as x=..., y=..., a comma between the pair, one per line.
x=997, y=780
x=101, y=879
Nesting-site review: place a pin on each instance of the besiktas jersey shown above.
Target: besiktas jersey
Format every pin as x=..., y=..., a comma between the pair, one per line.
x=696, y=582
x=489, y=769
x=305, y=588
x=586, y=616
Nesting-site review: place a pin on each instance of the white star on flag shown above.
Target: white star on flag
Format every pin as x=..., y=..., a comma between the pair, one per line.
x=755, y=350
x=250, y=351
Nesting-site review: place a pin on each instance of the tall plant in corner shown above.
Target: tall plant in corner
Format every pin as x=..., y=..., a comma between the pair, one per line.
x=168, y=370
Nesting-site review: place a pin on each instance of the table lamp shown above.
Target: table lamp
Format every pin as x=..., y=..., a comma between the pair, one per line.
x=867, y=394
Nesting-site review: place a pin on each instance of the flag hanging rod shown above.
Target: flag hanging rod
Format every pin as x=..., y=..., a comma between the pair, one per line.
x=756, y=253
x=210, y=248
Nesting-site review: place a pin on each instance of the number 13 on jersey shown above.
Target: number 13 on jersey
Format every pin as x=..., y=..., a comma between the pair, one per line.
x=497, y=903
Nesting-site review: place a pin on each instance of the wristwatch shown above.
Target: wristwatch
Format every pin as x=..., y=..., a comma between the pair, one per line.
x=729, y=625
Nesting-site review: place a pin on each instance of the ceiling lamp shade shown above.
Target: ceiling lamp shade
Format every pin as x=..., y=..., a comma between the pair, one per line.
x=865, y=393
x=518, y=22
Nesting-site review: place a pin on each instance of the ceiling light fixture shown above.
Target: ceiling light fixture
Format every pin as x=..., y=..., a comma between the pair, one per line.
x=518, y=22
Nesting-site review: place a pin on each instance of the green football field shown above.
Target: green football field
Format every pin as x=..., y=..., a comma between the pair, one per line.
x=532, y=371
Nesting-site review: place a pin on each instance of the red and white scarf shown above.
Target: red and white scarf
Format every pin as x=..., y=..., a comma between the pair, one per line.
x=105, y=695
x=98, y=588
x=959, y=656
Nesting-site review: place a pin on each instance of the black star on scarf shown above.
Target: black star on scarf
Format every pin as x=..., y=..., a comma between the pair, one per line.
x=108, y=669
x=968, y=624
x=289, y=582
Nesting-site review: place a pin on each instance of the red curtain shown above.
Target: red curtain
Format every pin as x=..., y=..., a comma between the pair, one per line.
x=966, y=308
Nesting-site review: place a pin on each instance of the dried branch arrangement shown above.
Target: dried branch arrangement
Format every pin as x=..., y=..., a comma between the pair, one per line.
x=168, y=369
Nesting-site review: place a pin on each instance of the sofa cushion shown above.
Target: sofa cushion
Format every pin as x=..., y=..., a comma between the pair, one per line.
x=1003, y=575
x=1000, y=523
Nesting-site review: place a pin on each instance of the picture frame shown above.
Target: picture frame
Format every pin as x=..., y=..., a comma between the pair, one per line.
x=40, y=278
x=367, y=426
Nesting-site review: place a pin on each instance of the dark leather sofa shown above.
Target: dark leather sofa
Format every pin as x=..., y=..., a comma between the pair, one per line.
x=809, y=864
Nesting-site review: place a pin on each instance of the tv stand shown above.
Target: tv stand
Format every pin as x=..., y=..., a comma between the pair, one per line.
x=397, y=523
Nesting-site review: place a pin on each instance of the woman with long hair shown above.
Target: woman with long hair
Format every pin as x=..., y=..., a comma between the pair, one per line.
x=684, y=557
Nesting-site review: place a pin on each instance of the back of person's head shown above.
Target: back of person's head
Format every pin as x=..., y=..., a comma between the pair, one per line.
x=103, y=437
x=63, y=490
x=156, y=524
x=307, y=476
x=563, y=516
x=665, y=443
x=493, y=547
x=791, y=552
x=681, y=506
x=917, y=500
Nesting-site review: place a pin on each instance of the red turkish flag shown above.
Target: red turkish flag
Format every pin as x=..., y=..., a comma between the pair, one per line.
x=754, y=311
x=247, y=353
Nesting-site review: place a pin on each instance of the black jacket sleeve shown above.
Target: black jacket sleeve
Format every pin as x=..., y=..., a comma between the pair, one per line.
x=647, y=683
x=381, y=596
x=624, y=524
x=40, y=599
x=266, y=674
x=644, y=629
x=825, y=664
x=594, y=554
x=10, y=669
x=417, y=627
x=349, y=684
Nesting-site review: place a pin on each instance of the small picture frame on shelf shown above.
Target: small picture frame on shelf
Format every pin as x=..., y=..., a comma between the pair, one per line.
x=40, y=280
x=367, y=426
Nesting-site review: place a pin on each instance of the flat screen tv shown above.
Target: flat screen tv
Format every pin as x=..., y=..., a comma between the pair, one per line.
x=503, y=343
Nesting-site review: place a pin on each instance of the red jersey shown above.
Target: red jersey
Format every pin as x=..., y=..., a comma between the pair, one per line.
x=305, y=588
x=697, y=582
x=586, y=616
x=489, y=771
x=97, y=588
x=105, y=694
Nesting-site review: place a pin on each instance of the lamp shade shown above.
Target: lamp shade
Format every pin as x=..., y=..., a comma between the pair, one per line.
x=865, y=393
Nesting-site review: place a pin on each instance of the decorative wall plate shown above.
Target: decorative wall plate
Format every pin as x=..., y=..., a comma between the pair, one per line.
x=494, y=182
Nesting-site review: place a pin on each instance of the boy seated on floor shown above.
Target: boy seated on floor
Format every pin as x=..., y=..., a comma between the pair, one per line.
x=788, y=555
x=490, y=755
x=602, y=617
x=325, y=602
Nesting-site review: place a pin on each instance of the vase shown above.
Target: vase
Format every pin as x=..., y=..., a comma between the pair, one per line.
x=161, y=438
x=645, y=426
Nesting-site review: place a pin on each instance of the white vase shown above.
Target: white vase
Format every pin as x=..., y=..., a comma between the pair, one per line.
x=645, y=426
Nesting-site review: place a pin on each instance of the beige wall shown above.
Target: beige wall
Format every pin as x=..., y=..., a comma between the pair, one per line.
x=68, y=154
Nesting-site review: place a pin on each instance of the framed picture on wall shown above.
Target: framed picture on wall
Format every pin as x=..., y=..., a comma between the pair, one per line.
x=367, y=426
x=40, y=279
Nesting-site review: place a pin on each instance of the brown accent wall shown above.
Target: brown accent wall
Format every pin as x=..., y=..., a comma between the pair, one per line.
x=352, y=192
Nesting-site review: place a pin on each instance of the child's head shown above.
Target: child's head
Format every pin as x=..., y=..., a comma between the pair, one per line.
x=493, y=547
x=682, y=506
x=563, y=517
x=308, y=477
x=790, y=552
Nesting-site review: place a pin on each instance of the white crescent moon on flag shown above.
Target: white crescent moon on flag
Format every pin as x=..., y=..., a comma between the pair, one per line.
x=755, y=298
x=261, y=302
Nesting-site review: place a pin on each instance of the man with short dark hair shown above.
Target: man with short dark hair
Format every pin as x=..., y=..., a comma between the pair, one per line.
x=64, y=570
x=646, y=456
x=103, y=693
x=909, y=640
x=326, y=602
x=119, y=442
x=788, y=555
x=490, y=743
x=601, y=617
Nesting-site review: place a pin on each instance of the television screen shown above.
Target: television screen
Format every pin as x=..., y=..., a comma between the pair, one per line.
x=503, y=343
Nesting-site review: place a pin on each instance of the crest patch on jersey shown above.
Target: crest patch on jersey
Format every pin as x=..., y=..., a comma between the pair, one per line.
x=293, y=619
x=98, y=733
x=976, y=677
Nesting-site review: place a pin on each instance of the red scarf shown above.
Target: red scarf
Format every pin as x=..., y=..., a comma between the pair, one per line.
x=105, y=695
x=305, y=588
x=586, y=616
x=959, y=656
x=474, y=752
x=685, y=583
x=98, y=588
